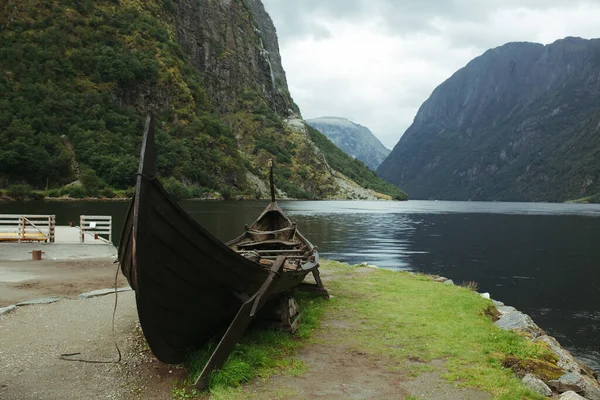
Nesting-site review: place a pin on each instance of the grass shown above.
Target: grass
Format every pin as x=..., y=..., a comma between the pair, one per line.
x=260, y=354
x=397, y=317
x=403, y=316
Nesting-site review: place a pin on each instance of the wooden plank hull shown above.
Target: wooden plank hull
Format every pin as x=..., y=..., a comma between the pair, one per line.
x=188, y=284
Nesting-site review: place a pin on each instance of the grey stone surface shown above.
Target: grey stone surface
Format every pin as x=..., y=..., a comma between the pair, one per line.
x=571, y=378
x=565, y=360
x=570, y=395
x=4, y=310
x=485, y=295
x=506, y=309
x=591, y=389
x=44, y=300
x=101, y=292
x=537, y=385
x=440, y=279
x=519, y=322
x=449, y=282
x=497, y=303
x=561, y=387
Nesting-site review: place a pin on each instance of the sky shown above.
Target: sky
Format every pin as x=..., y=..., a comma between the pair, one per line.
x=376, y=61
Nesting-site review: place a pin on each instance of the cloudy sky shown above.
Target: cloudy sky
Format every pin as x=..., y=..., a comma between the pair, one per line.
x=376, y=61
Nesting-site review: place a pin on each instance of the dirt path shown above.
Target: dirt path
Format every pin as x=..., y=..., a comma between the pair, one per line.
x=27, y=280
x=337, y=371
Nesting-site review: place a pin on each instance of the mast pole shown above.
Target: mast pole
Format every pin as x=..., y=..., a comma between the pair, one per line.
x=271, y=181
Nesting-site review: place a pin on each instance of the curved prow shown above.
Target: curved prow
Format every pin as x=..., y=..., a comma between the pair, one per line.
x=271, y=181
x=148, y=157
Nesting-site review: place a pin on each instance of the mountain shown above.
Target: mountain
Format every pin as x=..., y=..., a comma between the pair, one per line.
x=520, y=122
x=77, y=77
x=356, y=140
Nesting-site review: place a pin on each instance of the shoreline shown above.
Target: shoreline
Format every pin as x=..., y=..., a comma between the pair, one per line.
x=509, y=318
x=579, y=372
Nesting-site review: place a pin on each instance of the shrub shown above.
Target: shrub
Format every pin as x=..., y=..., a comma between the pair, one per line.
x=108, y=193
x=91, y=183
x=227, y=193
x=53, y=193
x=76, y=191
x=129, y=192
x=19, y=191
x=176, y=189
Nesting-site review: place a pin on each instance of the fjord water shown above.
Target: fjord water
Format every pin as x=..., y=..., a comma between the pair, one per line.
x=543, y=259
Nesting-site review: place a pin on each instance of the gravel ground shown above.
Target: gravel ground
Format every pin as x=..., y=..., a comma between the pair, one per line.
x=33, y=337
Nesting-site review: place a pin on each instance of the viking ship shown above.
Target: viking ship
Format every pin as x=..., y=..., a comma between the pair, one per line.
x=189, y=286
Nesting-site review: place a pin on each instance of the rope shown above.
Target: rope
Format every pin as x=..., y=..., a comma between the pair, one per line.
x=114, y=334
x=144, y=176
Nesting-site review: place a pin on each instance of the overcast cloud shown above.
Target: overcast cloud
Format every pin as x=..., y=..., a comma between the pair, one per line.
x=376, y=61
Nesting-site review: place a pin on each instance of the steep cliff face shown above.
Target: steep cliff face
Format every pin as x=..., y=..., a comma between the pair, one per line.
x=234, y=44
x=517, y=123
x=356, y=140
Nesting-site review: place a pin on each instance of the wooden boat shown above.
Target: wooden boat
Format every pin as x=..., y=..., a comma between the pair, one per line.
x=189, y=286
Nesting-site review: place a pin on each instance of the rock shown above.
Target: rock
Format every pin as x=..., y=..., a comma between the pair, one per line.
x=485, y=295
x=449, y=282
x=45, y=300
x=591, y=388
x=440, y=279
x=517, y=321
x=101, y=292
x=568, y=382
x=565, y=360
x=497, y=303
x=506, y=309
x=537, y=385
x=570, y=396
x=5, y=310
x=571, y=378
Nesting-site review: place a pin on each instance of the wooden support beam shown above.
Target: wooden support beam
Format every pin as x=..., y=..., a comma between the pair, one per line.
x=238, y=325
x=317, y=288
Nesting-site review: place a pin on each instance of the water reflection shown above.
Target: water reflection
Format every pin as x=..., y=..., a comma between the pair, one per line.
x=347, y=238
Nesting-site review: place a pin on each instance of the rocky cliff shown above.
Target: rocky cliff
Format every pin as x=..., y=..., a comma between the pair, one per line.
x=234, y=44
x=356, y=140
x=520, y=122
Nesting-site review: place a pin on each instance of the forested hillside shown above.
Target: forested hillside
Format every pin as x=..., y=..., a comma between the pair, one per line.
x=78, y=77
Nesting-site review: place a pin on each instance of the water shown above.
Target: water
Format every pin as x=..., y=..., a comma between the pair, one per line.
x=543, y=259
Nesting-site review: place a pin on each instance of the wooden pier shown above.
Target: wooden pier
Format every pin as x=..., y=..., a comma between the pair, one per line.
x=93, y=229
x=27, y=228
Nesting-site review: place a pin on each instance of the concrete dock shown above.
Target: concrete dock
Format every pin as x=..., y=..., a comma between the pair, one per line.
x=67, y=246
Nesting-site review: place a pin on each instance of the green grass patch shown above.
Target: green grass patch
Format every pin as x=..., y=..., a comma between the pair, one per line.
x=261, y=353
x=403, y=316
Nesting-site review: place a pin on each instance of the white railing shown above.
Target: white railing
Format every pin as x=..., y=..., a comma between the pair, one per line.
x=27, y=228
x=94, y=226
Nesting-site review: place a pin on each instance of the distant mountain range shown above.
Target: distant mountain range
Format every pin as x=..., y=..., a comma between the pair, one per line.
x=354, y=139
x=519, y=123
